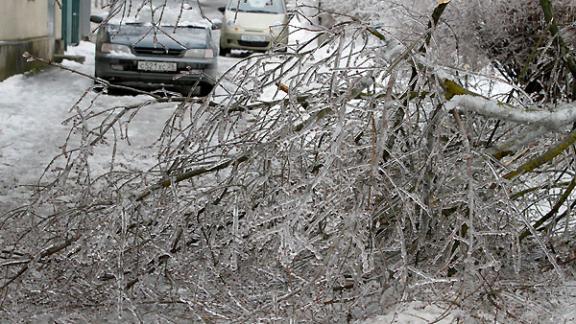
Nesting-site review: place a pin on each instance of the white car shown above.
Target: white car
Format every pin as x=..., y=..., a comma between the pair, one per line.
x=256, y=25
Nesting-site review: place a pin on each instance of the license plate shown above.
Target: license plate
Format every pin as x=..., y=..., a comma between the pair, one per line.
x=253, y=38
x=157, y=66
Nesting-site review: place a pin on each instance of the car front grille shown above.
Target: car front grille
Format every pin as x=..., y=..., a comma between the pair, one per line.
x=253, y=44
x=158, y=51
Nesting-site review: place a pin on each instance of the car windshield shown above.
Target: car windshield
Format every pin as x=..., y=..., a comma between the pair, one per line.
x=181, y=13
x=257, y=6
x=134, y=34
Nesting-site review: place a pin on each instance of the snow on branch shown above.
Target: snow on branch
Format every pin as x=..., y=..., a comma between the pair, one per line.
x=563, y=115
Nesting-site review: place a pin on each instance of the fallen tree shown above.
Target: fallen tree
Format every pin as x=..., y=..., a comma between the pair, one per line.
x=323, y=185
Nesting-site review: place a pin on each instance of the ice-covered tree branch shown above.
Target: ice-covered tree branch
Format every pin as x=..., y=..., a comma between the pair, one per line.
x=563, y=114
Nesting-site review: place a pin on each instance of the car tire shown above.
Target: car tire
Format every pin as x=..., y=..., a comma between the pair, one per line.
x=203, y=91
x=206, y=90
x=224, y=51
x=116, y=92
x=98, y=87
x=104, y=89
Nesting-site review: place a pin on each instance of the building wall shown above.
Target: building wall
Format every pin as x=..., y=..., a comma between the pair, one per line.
x=24, y=27
x=58, y=43
x=23, y=19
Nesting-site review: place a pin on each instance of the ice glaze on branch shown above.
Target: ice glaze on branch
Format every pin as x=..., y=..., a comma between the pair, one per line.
x=565, y=113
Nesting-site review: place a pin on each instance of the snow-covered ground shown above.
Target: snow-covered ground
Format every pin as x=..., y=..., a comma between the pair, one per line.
x=32, y=108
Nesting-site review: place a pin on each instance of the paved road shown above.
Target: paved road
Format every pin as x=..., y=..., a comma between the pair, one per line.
x=213, y=4
x=210, y=7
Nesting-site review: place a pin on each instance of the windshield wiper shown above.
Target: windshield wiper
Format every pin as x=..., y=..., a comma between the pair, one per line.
x=190, y=26
x=262, y=11
x=182, y=26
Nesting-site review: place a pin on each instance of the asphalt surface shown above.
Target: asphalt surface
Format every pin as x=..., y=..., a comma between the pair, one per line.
x=210, y=7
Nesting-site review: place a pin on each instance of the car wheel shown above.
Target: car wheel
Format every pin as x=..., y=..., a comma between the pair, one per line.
x=101, y=87
x=118, y=91
x=198, y=91
x=112, y=91
x=224, y=51
x=98, y=87
x=205, y=90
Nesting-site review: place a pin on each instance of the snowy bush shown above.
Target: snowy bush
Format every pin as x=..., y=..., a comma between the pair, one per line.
x=515, y=36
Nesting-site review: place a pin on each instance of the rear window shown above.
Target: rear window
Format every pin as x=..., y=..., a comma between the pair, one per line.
x=258, y=6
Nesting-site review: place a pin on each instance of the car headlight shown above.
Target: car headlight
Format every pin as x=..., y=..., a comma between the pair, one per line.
x=116, y=48
x=233, y=24
x=199, y=53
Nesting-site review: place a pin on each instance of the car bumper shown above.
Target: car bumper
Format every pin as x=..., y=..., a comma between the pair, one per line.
x=124, y=71
x=231, y=39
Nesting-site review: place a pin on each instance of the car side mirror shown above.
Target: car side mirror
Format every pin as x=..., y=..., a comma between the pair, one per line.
x=96, y=19
x=222, y=9
x=216, y=24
